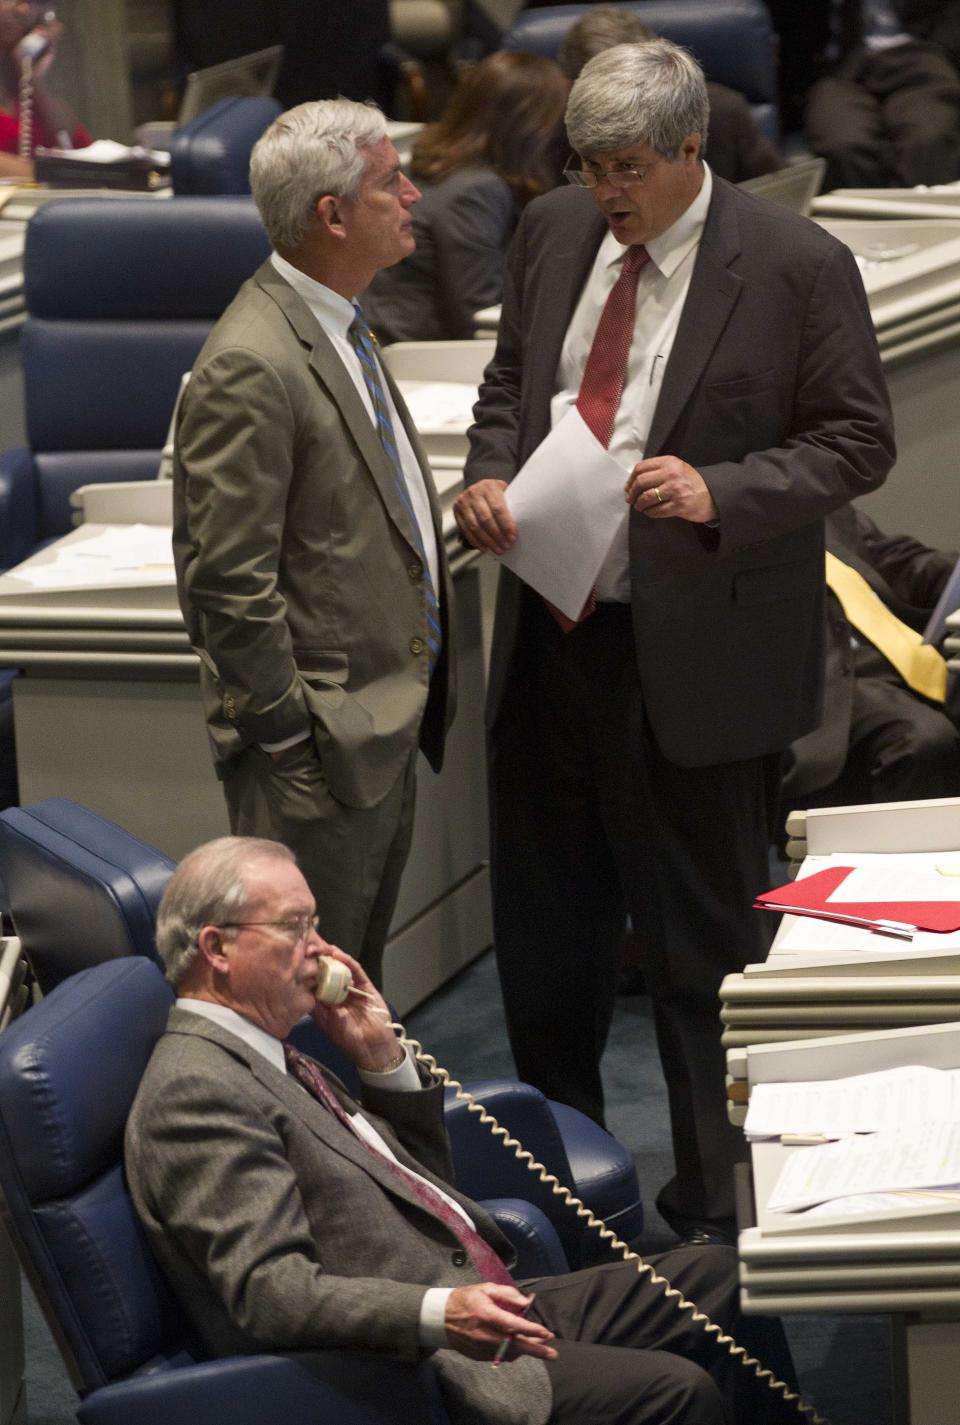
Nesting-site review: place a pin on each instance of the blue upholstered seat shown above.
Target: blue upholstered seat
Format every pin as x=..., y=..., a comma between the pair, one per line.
x=120, y=296
x=211, y=153
x=82, y=890
x=69, y=1069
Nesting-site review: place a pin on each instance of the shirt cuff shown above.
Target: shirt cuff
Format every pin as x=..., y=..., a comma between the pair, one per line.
x=433, y=1318
x=287, y=742
x=403, y=1079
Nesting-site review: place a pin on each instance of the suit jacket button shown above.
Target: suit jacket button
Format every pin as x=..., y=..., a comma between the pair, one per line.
x=459, y=1257
x=415, y=570
x=417, y=645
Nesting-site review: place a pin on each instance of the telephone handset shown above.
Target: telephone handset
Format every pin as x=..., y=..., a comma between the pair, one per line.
x=335, y=983
x=33, y=45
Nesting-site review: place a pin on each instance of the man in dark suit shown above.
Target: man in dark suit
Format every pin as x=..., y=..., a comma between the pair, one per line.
x=310, y=562
x=288, y=1217
x=880, y=739
x=738, y=149
x=634, y=760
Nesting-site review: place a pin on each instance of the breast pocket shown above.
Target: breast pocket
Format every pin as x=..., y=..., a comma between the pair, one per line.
x=743, y=414
x=741, y=387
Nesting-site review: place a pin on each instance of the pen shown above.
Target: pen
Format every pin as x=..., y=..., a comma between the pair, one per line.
x=802, y=1140
x=504, y=1344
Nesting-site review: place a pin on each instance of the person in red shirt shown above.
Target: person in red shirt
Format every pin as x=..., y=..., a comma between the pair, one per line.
x=30, y=116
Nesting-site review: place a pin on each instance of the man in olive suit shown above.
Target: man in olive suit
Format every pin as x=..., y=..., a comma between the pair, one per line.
x=310, y=564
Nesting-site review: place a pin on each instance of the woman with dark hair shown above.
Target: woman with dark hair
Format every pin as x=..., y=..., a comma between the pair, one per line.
x=496, y=147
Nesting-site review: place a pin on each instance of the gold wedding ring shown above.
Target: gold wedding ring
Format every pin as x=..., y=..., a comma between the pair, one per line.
x=656, y=491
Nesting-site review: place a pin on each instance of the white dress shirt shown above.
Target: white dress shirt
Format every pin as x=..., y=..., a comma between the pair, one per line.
x=404, y=1079
x=661, y=292
x=335, y=313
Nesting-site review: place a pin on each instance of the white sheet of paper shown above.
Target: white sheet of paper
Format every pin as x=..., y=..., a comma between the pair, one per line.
x=862, y=1103
x=876, y=883
x=117, y=554
x=926, y=1156
x=804, y=934
x=874, y=1203
x=439, y=405
x=568, y=502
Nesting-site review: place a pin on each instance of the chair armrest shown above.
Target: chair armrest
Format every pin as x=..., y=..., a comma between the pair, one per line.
x=355, y=1388
x=18, y=506
x=539, y=1250
x=483, y=1167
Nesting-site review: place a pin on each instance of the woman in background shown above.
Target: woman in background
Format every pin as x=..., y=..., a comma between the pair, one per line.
x=498, y=144
x=30, y=116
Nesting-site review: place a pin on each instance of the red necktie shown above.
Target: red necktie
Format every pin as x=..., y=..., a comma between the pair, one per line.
x=605, y=373
x=482, y=1255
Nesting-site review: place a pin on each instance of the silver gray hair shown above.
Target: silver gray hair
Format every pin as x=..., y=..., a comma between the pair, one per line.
x=310, y=150
x=652, y=93
x=209, y=887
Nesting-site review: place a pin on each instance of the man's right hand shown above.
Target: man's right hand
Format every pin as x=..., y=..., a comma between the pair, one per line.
x=483, y=517
x=480, y=1318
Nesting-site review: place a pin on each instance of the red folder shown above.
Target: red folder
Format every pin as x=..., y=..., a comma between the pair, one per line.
x=809, y=896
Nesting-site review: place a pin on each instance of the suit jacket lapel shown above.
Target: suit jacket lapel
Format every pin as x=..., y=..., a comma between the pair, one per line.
x=568, y=268
x=713, y=293
x=330, y=370
x=314, y=1116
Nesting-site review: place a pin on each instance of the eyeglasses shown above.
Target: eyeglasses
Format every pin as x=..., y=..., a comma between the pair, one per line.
x=298, y=927
x=621, y=175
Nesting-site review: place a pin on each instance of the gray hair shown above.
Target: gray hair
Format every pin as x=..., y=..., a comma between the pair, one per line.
x=209, y=887
x=310, y=150
x=599, y=28
x=652, y=93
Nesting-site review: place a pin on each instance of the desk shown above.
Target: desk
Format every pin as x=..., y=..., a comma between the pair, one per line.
x=914, y=296
x=906, y=1265
x=878, y=985
x=107, y=712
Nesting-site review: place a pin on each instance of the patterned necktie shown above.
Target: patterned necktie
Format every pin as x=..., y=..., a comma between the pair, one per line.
x=921, y=667
x=481, y=1254
x=362, y=343
x=606, y=369
x=604, y=376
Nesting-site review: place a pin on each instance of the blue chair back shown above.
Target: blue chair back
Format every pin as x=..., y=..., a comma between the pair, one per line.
x=69, y=1070
x=121, y=295
x=80, y=890
x=211, y=154
x=733, y=41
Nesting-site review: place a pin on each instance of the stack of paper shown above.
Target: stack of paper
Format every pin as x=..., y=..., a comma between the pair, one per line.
x=923, y=1158
x=863, y=1103
x=119, y=554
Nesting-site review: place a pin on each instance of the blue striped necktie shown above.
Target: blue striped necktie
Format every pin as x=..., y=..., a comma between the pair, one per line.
x=362, y=343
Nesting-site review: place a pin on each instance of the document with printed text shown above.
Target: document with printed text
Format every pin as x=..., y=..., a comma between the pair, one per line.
x=862, y=1103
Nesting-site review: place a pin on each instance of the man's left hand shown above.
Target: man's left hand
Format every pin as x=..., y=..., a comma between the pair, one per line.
x=359, y=1026
x=667, y=488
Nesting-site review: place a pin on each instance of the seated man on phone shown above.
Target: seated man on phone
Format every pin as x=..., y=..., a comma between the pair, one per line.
x=288, y=1217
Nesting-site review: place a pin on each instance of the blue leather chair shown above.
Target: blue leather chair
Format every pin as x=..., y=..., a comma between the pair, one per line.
x=82, y=890
x=120, y=297
x=211, y=153
x=734, y=41
x=69, y=1069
